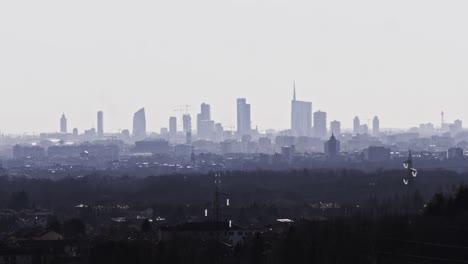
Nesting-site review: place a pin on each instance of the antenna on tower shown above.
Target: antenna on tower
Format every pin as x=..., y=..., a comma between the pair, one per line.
x=218, y=194
x=442, y=120
x=217, y=202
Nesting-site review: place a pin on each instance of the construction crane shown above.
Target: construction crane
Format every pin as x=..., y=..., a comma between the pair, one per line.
x=183, y=109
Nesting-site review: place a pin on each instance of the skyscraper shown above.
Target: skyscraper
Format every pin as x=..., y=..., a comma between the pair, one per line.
x=187, y=127
x=427, y=130
x=100, y=124
x=376, y=127
x=172, y=125
x=206, y=129
x=205, y=112
x=139, y=124
x=243, y=117
x=320, y=124
x=458, y=125
x=63, y=124
x=335, y=127
x=301, y=117
x=187, y=123
x=356, y=126
x=219, y=131
x=205, y=126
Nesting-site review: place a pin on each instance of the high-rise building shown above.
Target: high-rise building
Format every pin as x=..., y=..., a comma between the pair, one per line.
x=356, y=125
x=187, y=127
x=139, y=124
x=320, y=124
x=376, y=127
x=206, y=129
x=332, y=147
x=164, y=131
x=205, y=112
x=100, y=124
x=173, y=125
x=243, y=117
x=205, y=126
x=456, y=127
x=335, y=127
x=187, y=123
x=427, y=130
x=301, y=117
x=219, y=131
x=89, y=134
x=63, y=124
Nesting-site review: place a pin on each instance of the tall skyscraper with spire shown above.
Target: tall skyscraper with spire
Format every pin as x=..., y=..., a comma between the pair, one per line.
x=63, y=124
x=139, y=124
x=301, y=116
x=100, y=124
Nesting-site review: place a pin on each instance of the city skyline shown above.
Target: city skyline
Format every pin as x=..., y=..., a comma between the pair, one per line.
x=184, y=109
x=301, y=114
x=364, y=126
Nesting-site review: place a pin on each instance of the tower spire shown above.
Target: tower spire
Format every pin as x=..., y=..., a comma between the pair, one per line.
x=294, y=91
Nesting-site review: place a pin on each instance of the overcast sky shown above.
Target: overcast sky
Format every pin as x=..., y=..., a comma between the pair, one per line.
x=402, y=60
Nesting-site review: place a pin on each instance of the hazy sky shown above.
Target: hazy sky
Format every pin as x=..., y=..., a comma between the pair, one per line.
x=402, y=60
